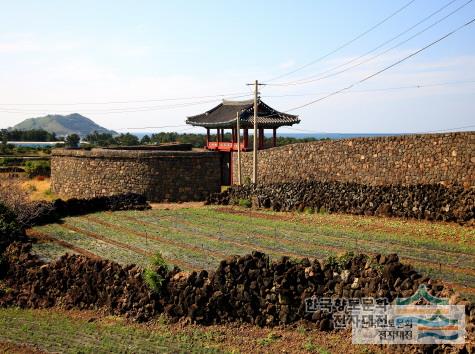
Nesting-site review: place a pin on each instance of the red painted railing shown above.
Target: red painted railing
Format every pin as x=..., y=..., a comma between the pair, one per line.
x=223, y=146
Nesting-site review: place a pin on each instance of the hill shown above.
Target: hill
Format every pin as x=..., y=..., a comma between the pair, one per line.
x=63, y=125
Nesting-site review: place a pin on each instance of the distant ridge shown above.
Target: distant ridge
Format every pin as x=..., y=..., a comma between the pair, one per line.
x=63, y=125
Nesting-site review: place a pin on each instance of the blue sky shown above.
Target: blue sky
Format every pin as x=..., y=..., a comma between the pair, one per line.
x=62, y=52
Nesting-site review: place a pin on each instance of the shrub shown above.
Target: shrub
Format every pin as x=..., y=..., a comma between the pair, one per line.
x=10, y=228
x=37, y=168
x=155, y=275
x=158, y=261
x=8, y=222
x=9, y=161
x=153, y=280
x=246, y=203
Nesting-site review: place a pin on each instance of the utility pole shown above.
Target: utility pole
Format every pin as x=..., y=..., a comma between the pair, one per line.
x=255, y=138
x=254, y=152
x=238, y=128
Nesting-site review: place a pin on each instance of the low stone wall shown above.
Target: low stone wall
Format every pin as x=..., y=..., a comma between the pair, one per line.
x=420, y=201
x=250, y=289
x=159, y=175
x=447, y=158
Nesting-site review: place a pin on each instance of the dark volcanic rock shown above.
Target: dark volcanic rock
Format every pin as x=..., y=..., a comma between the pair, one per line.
x=248, y=289
x=421, y=201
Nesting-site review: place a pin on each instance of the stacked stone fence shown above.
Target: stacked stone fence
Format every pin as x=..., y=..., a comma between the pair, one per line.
x=447, y=158
x=420, y=201
x=158, y=175
x=249, y=289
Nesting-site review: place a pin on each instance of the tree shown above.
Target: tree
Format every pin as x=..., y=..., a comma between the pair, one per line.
x=72, y=140
x=127, y=140
x=4, y=134
x=145, y=140
x=100, y=139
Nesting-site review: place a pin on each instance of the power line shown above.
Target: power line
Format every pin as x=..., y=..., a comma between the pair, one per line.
x=343, y=45
x=127, y=109
x=317, y=77
x=386, y=68
x=418, y=86
x=163, y=126
x=446, y=130
x=127, y=101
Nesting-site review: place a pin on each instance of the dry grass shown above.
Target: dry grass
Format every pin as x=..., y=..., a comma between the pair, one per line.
x=39, y=189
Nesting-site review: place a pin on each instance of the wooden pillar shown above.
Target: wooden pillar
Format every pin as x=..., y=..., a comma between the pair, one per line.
x=222, y=134
x=217, y=135
x=274, y=137
x=233, y=135
x=246, y=139
x=207, y=136
x=261, y=138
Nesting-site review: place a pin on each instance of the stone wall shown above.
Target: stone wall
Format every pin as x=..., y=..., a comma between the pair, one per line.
x=159, y=175
x=447, y=158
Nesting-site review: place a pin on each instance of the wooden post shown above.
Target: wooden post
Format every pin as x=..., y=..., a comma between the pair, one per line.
x=274, y=137
x=207, y=136
x=246, y=139
x=217, y=136
x=261, y=138
x=238, y=136
x=254, y=152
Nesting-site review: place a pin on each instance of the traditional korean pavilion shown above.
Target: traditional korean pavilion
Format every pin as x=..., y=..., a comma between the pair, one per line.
x=223, y=116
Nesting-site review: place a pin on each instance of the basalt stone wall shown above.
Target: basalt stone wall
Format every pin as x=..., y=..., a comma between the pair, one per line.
x=251, y=289
x=447, y=158
x=158, y=175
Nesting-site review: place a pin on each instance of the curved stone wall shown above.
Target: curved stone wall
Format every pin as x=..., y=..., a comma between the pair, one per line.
x=159, y=175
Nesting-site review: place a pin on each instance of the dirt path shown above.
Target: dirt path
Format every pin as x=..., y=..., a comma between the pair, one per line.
x=16, y=348
x=174, y=206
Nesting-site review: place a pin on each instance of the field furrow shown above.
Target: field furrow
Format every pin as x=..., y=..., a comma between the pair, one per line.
x=198, y=238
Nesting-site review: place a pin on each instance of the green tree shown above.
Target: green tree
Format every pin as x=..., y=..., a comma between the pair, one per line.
x=126, y=140
x=72, y=140
x=4, y=146
x=145, y=140
x=100, y=139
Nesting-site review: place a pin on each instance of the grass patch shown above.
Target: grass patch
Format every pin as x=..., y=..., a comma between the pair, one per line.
x=57, y=332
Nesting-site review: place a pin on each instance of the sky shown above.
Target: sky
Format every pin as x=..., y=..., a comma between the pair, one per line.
x=174, y=59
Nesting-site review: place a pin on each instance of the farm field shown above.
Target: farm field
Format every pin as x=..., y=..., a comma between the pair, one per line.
x=39, y=331
x=198, y=237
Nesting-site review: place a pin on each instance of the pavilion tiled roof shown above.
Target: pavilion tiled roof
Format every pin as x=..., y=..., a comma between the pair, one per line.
x=224, y=116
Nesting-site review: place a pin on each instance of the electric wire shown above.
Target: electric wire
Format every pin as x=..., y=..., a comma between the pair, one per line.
x=417, y=86
x=343, y=45
x=317, y=77
x=385, y=68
